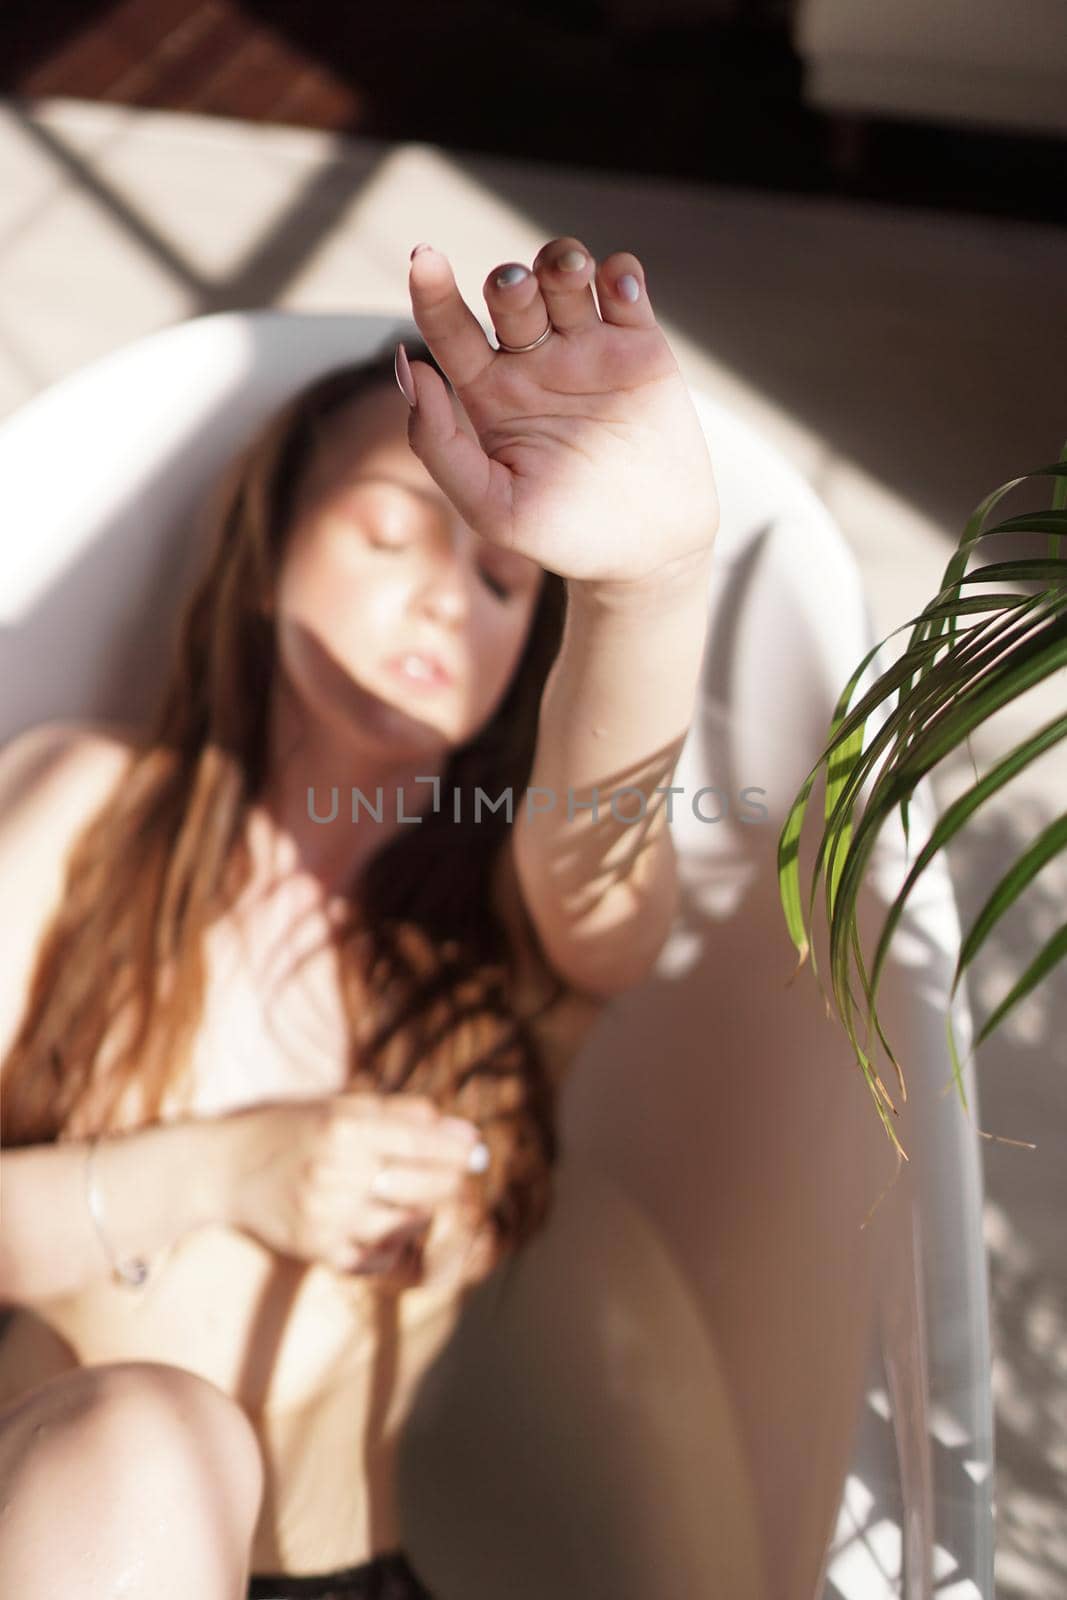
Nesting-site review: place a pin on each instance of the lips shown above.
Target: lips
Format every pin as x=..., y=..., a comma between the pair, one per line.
x=420, y=667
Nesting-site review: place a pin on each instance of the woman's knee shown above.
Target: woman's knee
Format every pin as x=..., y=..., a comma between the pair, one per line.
x=139, y=1434
x=190, y=1414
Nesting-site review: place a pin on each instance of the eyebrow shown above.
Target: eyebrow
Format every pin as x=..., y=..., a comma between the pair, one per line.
x=399, y=483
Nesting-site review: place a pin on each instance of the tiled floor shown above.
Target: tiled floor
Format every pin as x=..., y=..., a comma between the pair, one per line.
x=907, y=362
x=714, y=90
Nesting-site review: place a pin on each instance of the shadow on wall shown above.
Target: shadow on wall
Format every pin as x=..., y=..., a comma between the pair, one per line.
x=1022, y=1075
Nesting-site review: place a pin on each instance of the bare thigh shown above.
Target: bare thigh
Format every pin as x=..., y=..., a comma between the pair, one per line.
x=132, y=1477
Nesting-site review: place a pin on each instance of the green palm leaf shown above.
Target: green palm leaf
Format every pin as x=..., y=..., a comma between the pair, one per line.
x=953, y=675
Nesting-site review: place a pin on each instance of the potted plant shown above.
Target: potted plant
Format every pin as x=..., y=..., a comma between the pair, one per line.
x=977, y=645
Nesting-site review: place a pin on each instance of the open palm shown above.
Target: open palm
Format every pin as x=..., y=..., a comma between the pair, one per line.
x=584, y=454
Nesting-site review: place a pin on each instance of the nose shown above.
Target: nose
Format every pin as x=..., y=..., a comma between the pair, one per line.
x=445, y=592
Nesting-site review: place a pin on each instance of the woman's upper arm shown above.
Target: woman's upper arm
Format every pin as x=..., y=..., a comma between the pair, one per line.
x=53, y=779
x=561, y=1027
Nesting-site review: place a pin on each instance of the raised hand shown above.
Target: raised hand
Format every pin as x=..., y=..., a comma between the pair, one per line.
x=585, y=454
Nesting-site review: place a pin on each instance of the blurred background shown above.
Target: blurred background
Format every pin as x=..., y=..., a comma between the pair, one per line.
x=851, y=218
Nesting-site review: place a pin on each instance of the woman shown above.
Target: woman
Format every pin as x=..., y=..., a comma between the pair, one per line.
x=268, y=1190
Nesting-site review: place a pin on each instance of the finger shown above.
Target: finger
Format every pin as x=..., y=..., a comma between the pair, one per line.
x=360, y=1104
x=565, y=271
x=615, y=274
x=417, y=1107
x=396, y=1255
x=403, y=1184
x=403, y=1241
x=479, y=488
x=376, y=1223
x=513, y=296
x=399, y=1268
x=466, y=1254
x=357, y=1218
x=368, y=1111
x=356, y=1101
x=397, y=1140
x=482, y=1256
x=426, y=1113
x=444, y=319
x=399, y=1254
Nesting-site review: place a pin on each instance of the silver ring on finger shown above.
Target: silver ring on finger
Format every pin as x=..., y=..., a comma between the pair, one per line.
x=520, y=349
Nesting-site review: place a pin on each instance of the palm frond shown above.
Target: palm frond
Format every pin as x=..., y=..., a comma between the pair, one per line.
x=952, y=676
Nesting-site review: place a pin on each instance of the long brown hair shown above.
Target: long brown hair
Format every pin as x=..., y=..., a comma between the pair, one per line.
x=167, y=854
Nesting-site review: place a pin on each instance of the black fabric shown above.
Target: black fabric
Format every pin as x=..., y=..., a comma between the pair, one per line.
x=386, y=1577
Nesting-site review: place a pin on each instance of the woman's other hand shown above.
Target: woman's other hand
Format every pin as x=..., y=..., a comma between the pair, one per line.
x=352, y=1180
x=586, y=454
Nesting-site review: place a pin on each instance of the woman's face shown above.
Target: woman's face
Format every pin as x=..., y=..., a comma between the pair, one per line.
x=394, y=619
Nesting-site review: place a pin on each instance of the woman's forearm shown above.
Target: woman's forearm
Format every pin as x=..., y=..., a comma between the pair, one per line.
x=619, y=697
x=153, y=1185
x=615, y=713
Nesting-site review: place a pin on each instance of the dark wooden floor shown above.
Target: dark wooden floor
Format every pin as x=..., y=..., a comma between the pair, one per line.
x=546, y=80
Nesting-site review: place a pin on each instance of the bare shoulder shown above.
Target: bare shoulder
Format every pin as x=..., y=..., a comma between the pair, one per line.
x=53, y=779
x=61, y=762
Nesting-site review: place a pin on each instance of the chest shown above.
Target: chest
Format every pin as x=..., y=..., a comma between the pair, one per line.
x=273, y=1024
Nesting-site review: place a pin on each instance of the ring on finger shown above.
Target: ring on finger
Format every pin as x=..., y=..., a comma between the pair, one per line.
x=519, y=349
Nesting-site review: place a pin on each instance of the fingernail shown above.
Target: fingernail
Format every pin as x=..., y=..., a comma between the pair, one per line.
x=571, y=261
x=478, y=1160
x=416, y=250
x=509, y=275
x=628, y=287
x=461, y=1125
x=402, y=368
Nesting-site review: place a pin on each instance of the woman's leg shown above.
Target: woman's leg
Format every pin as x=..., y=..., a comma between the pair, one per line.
x=136, y=1478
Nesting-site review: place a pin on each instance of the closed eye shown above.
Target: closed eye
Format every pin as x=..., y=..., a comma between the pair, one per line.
x=396, y=545
x=497, y=588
